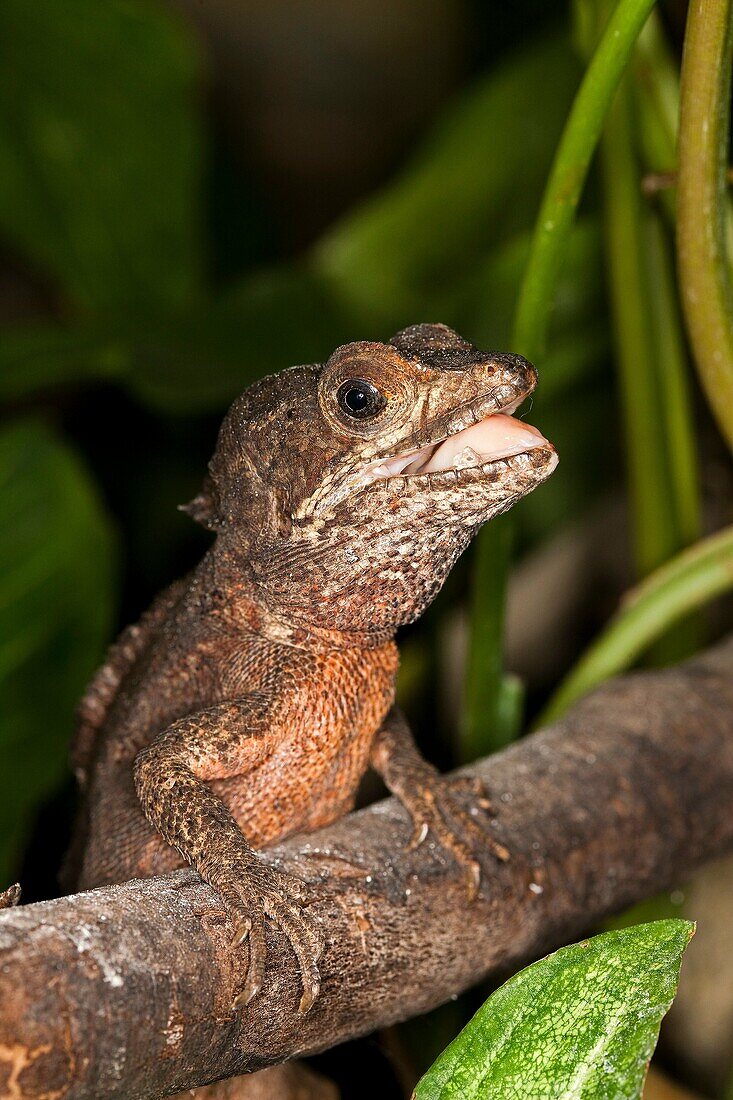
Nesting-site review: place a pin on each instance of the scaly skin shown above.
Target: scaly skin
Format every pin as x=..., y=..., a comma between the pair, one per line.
x=248, y=702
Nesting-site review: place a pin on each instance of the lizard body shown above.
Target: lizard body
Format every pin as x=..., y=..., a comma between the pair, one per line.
x=248, y=702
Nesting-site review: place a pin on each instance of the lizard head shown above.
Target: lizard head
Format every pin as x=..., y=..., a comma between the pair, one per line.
x=352, y=487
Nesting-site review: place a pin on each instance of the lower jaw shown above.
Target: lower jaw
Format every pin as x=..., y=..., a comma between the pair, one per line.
x=539, y=460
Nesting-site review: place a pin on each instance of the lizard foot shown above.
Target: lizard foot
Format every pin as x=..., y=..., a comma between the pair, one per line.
x=266, y=894
x=10, y=897
x=437, y=805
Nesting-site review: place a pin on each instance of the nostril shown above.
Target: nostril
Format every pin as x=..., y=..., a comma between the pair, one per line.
x=519, y=365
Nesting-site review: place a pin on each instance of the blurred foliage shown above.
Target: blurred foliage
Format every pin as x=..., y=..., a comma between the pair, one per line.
x=471, y=186
x=100, y=150
x=57, y=597
x=666, y=596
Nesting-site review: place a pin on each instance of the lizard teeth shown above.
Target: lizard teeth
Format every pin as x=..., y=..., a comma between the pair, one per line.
x=465, y=458
x=469, y=445
x=495, y=437
x=402, y=464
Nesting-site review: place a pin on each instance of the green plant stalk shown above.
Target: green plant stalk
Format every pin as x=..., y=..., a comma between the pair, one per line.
x=658, y=81
x=652, y=514
x=656, y=77
x=570, y=168
x=486, y=723
x=704, y=273
x=673, y=387
x=662, y=460
x=684, y=584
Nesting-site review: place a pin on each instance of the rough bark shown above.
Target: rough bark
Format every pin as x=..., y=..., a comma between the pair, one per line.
x=126, y=991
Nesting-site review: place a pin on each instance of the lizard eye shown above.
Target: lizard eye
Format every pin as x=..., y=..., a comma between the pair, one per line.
x=359, y=399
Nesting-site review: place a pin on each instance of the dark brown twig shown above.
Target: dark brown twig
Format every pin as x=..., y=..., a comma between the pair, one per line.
x=126, y=991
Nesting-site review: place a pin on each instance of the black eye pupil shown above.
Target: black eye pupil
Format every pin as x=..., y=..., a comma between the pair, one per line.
x=356, y=399
x=359, y=399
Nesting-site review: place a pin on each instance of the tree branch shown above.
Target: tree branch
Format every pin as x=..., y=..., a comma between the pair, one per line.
x=125, y=991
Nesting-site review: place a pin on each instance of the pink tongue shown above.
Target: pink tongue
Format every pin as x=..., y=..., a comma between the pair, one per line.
x=498, y=436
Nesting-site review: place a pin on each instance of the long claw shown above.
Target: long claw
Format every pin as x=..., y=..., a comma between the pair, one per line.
x=473, y=877
x=459, y=830
x=499, y=850
x=272, y=896
x=307, y=943
x=248, y=994
x=308, y=999
x=419, y=835
x=241, y=933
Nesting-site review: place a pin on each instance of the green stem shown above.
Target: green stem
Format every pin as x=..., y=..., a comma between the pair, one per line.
x=681, y=586
x=652, y=518
x=656, y=401
x=675, y=408
x=570, y=168
x=704, y=273
x=489, y=720
x=656, y=76
x=488, y=716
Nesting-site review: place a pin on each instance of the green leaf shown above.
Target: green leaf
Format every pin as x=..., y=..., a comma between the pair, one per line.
x=475, y=180
x=273, y=319
x=48, y=356
x=201, y=360
x=56, y=604
x=580, y=1023
x=100, y=150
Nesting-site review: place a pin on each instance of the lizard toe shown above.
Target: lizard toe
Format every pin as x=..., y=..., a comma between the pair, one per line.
x=251, y=932
x=439, y=807
x=307, y=943
x=473, y=787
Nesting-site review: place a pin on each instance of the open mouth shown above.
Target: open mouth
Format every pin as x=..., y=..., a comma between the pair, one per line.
x=483, y=444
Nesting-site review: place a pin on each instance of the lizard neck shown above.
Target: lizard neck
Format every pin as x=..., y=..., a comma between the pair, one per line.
x=300, y=633
x=242, y=600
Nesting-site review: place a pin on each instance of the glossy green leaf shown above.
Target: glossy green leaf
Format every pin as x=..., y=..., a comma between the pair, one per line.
x=56, y=603
x=100, y=150
x=582, y=1023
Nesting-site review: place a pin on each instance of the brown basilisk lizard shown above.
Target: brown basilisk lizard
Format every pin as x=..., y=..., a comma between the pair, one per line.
x=249, y=700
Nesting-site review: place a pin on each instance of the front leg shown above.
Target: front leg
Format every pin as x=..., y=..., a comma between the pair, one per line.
x=435, y=803
x=171, y=781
